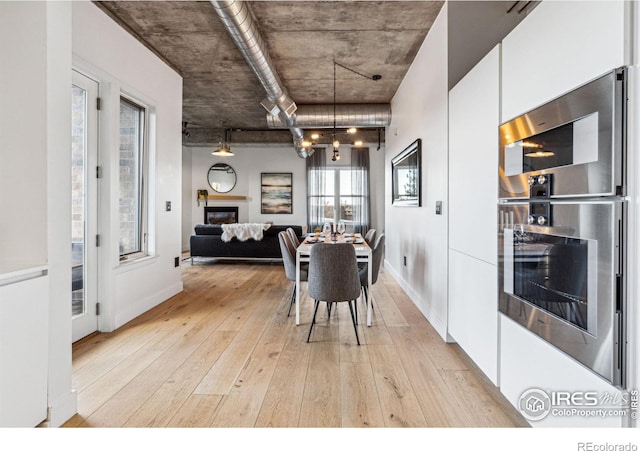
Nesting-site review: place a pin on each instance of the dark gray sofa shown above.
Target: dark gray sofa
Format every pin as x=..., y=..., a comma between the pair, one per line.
x=207, y=242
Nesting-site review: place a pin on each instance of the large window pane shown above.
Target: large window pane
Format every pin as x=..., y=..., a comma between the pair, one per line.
x=131, y=177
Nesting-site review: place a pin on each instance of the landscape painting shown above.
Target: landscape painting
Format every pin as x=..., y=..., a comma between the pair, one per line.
x=277, y=193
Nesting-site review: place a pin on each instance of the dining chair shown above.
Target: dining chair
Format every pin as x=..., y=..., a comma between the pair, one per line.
x=370, y=236
x=293, y=236
x=333, y=277
x=289, y=261
x=376, y=258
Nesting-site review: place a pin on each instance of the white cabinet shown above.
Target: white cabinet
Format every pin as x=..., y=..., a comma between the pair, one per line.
x=558, y=47
x=473, y=310
x=474, y=114
x=24, y=328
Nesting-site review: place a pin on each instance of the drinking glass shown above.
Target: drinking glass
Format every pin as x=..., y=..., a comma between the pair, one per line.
x=326, y=230
x=342, y=227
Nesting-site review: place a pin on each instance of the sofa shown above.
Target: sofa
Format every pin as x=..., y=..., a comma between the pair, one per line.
x=207, y=242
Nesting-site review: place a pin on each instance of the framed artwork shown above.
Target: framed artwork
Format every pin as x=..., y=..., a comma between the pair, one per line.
x=276, y=195
x=405, y=176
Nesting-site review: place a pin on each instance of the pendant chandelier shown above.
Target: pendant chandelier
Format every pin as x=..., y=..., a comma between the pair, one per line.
x=351, y=131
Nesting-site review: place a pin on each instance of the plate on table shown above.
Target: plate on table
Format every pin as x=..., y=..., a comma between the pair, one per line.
x=312, y=240
x=359, y=241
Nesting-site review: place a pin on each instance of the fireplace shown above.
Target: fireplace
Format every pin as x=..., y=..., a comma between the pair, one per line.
x=220, y=215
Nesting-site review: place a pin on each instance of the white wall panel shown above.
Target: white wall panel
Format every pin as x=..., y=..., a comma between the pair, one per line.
x=474, y=115
x=473, y=310
x=559, y=46
x=24, y=330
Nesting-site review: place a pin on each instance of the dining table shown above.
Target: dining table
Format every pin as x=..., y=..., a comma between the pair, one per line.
x=363, y=254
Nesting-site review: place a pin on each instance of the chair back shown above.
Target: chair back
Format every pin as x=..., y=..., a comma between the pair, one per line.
x=293, y=236
x=333, y=272
x=288, y=255
x=377, y=257
x=370, y=236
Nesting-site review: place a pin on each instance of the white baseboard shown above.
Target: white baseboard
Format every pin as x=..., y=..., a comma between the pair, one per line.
x=62, y=409
x=438, y=324
x=126, y=315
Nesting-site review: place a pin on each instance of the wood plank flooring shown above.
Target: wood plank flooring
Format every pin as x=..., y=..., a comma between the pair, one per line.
x=223, y=353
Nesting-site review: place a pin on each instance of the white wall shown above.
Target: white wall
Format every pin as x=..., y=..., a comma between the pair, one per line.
x=249, y=162
x=420, y=110
x=23, y=88
x=104, y=51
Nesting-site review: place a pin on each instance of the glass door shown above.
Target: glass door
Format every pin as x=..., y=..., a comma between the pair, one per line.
x=84, y=211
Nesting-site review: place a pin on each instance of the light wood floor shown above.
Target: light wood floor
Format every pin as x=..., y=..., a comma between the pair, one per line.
x=223, y=353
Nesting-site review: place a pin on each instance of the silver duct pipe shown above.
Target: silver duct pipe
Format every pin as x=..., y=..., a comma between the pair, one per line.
x=241, y=25
x=322, y=116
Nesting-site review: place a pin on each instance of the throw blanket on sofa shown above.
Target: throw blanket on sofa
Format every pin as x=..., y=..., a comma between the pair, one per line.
x=243, y=231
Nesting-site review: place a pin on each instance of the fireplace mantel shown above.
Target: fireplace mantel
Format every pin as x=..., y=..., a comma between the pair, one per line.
x=225, y=197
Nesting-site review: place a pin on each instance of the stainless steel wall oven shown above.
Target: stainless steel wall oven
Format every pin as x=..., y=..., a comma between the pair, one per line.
x=562, y=223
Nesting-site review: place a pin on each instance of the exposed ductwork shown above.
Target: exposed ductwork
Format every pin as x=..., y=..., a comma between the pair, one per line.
x=322, y=116
x=283, y=112
x=241, y=25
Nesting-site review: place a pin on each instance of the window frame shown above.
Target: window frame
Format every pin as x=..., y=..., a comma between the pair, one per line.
x=143, y=177
x=339, y=172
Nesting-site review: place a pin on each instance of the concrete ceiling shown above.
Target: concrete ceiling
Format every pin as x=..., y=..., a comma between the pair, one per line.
x=304, y=38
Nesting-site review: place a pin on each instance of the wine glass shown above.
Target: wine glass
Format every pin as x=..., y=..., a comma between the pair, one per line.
x=342, y=227
x=326, y=230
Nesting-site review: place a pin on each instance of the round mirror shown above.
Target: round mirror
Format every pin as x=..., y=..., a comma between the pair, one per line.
x=222, y=177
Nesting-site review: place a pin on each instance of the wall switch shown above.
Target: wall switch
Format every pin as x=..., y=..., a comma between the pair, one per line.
x=176, y=262
x=438, y=207
x=168, y=205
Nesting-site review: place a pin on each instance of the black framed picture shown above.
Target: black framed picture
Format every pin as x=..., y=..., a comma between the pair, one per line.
x=276, y=193
x=406, y=176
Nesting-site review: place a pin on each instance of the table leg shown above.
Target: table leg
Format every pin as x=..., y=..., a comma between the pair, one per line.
x=298, y=288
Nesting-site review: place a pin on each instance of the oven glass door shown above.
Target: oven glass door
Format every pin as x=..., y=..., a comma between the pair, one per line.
x=555, y=273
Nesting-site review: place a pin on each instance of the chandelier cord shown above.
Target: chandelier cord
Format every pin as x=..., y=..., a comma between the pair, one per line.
x=334, y=101
x=374, y=77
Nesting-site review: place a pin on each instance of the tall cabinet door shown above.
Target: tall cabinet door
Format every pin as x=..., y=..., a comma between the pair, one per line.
x=474, y=112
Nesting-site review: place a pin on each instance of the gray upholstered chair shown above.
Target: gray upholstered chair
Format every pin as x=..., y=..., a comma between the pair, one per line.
x=289, y=261
x=333, y=277
x=370, y=236
x=293, y=236
x=376, y=258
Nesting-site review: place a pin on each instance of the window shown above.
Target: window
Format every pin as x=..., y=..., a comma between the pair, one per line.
x=339, y=199
x=133, y=180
